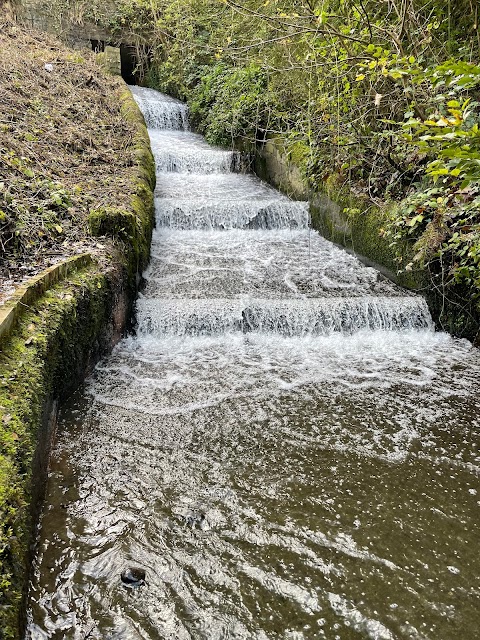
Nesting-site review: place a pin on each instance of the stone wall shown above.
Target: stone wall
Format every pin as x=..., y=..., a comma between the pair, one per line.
x=71, y=23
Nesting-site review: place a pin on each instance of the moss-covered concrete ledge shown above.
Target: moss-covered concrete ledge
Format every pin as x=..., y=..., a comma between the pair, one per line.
x=48, y=351
x=357, y=224
x=25, y=296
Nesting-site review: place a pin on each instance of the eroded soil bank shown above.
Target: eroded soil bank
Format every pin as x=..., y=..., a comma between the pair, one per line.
x=67, y=153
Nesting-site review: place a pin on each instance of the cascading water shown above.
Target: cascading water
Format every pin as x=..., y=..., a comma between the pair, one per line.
x=286, y=447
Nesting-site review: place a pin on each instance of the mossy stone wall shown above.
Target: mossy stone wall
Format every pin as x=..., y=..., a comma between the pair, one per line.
x=110, y=60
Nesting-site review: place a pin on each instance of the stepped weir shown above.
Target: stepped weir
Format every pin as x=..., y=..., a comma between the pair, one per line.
x=286, y=448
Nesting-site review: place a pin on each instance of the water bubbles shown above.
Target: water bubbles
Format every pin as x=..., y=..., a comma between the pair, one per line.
x=454, y=570
x=284, y=438
x=164, y=113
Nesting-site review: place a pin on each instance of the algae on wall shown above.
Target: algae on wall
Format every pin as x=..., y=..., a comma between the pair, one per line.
x=41, y=362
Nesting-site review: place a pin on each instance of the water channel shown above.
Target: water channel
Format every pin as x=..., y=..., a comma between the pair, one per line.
x=286, y=446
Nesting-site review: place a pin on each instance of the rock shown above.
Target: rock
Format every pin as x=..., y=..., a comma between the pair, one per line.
x=133, y=577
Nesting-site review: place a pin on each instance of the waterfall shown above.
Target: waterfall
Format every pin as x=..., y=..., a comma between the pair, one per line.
x=232, y=254
x=187, y=152
x=161, y=112
x=294, y=317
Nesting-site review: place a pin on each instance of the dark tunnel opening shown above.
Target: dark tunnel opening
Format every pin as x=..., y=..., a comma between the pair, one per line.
x=129, y=63
x=135, y=61
x=98, y=46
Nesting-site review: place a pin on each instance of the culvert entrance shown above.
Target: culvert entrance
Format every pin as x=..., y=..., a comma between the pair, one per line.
x=135, y=60
x=129, y=63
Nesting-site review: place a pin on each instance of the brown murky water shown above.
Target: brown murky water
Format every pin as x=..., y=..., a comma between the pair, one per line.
x=286, y=447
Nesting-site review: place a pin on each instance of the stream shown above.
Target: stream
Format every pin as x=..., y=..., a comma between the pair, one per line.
x=286, y=446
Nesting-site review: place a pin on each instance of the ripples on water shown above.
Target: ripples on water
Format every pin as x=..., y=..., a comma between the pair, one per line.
x=308, y=473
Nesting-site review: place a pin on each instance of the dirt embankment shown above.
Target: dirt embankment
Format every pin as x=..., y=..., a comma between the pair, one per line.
x=65, y=151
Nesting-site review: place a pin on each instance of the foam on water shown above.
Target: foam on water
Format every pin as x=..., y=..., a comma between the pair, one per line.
x=230, y=187
x=376, y=360
x=297, y=401
x=227, y=214
x=163, y=113
x=224, y=201
x=260, y=264
x=186, y=152
x=163, y=317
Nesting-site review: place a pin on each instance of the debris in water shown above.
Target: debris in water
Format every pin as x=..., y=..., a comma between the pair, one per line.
x=133, y=577
x=194, y=519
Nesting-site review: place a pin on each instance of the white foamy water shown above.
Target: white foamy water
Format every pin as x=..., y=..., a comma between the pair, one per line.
x=288, y=317
x=286, y=446
x=187, y=152
x=263, y=264
x=224, y=201
x=161, y=113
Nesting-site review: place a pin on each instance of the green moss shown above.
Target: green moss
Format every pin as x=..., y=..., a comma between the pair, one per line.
x=360, y=225
x=44, y=358
x=143, y=207
x=298, y=152
x=116, y=223
x=133, y=229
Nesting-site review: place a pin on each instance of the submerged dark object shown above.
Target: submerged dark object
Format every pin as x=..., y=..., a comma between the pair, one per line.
x=133, y=577
x=194, y=519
